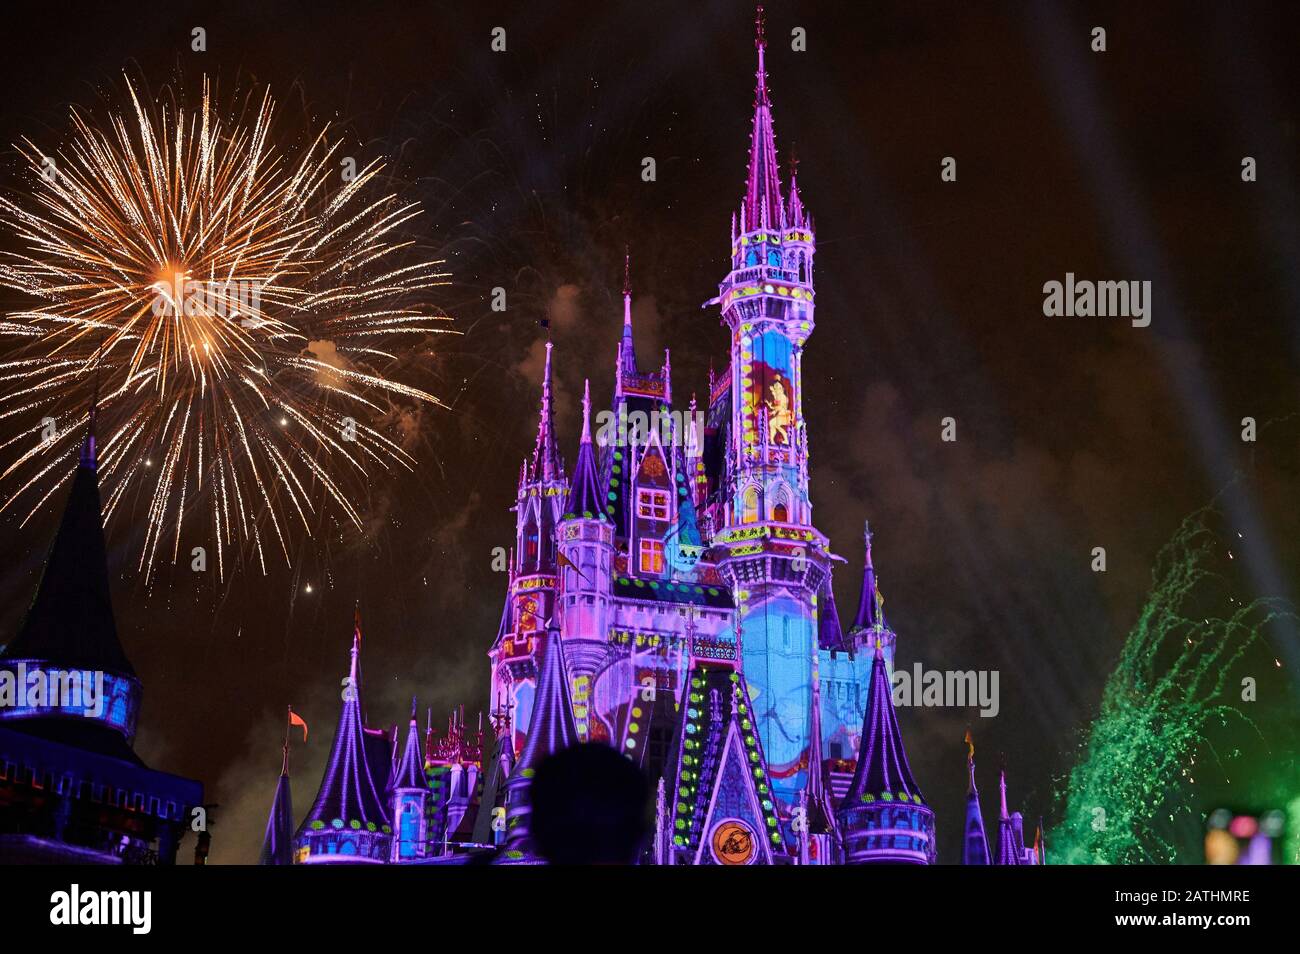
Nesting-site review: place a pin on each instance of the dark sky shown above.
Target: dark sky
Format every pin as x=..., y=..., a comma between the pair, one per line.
x=1072, y=433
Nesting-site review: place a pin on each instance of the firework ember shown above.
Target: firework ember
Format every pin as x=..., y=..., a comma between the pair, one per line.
x=228, y=306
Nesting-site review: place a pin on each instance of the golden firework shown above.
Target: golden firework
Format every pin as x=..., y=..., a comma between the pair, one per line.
x=232, y=305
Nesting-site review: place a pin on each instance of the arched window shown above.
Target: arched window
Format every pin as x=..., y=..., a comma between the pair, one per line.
x=751, y=258
x=530, y=544
x=781, y=507
x=750, y=505
x=774, y=258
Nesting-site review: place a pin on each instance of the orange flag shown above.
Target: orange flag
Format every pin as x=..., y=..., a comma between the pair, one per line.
x=295, y=719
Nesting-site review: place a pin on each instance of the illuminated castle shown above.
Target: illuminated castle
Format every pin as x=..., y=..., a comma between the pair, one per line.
x=669, y=596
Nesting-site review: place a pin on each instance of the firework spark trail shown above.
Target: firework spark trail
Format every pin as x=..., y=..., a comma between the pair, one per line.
x=1154, y=712
x=187, y=269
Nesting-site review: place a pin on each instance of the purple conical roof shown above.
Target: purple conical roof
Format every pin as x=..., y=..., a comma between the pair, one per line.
x=882, y=771
x=584, y=492
x=552, y=726
x=1008, y=849
x=547, y=466
x=347, y=790
x=409, y=772
x=763, y=208
x=277, y=844
x=867, y=616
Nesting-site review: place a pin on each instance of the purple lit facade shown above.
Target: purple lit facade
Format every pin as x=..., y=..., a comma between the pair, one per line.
x=670, y=596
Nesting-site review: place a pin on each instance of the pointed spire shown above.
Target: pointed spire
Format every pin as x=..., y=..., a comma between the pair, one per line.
x=882, y=763
x=975, y=849
x=626, y=345
x=584, y=492
x=70, y=622
x=796, y=215
x=551, y=729
x=1008, y=849
x=277, y=843
x=88, y=458
x=867, y=604
x=762, y=207
x=820, y=811
x=409, y=773
x=347, y=791
x=830, y=635
x=547, y=465
x=883, y=792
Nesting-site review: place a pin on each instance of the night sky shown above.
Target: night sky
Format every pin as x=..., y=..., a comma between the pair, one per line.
x=1073, y=433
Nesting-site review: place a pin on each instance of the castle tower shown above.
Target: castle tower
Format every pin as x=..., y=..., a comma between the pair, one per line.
x=348, y=822
x=530, y=603
x=641, y=403
x=408, y=798
x=69, y=700
x=884, y=817
x=1009, y=845
x=277, y=844
x=585, y=564
x=551, y=730
x=820, y=842
x=975, y=847
x=769, y=551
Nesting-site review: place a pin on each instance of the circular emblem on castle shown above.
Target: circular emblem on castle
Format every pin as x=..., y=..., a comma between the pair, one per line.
x=732, y=842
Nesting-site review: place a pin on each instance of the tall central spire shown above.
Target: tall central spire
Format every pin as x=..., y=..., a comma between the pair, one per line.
x=547, y=465
x=763, y=206
x=626, y=345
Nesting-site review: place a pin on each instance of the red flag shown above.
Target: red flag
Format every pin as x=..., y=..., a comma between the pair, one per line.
x=295, y=719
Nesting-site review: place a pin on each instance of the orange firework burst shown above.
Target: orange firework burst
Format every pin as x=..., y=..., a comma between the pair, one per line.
x=230, y=304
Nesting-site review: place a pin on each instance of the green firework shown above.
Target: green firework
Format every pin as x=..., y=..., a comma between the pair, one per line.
x=1143, y=749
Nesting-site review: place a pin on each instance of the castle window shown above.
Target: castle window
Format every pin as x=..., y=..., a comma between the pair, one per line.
x=780, y=514
x=749, y=513
x=652, y=556
x=653, y=504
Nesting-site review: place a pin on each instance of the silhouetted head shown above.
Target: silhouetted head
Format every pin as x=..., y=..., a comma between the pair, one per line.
x=590, y=806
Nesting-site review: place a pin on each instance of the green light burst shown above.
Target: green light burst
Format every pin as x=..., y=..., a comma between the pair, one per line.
x=1142, y=751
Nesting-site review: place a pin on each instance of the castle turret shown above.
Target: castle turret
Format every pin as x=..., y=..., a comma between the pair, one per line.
x=70, y=627
x=530, y=603
x=348, y=821
x=884, y=817
x=768, y=550
x=277, y=843
x=408, y=795
x=552, y=729
x=1008, y=848
x=586, y=558
x=69, y=700
x=975, y=847
x=820, y=842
